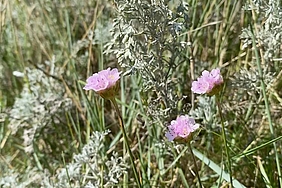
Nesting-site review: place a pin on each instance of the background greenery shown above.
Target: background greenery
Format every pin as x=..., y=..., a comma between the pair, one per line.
x=49, y=48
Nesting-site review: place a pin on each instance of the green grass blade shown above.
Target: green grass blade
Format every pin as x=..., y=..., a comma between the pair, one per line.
x=217, y=169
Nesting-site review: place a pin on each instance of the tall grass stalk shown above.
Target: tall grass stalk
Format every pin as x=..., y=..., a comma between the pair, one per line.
x=195, y=163
x=224, y=138
x=113, y=100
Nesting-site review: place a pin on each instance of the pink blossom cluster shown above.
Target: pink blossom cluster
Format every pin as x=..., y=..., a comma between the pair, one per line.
x=102, y=80
x=181, y=128
x=207, y=81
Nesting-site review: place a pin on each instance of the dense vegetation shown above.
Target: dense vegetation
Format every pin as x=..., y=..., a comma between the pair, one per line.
x=55, y=134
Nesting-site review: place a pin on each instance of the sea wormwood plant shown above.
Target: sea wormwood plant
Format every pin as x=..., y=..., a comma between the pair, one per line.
x=268, y=27
x=147, y=40
x=89, y=168
x=37, y=108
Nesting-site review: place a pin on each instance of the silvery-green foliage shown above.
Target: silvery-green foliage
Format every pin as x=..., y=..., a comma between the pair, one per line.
x=91, y=151
x=269, y=34
x=254, y=5
x=70, y=175
x=46, y=180
x=244, y=89
x=246, y=37
x=90, y=167
x=147, y=40
x=205, y=110
x=249, y=80
x=41, y=100
x=116, y=167
x=102, y=32
x=11, y=178
x=91, y=185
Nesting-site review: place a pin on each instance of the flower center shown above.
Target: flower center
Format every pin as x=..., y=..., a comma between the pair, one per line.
x=111, y=77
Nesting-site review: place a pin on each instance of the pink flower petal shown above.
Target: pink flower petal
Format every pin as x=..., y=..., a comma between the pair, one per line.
x=207, y=81
x=170, y=136
x=200, y=86
x=102, y=80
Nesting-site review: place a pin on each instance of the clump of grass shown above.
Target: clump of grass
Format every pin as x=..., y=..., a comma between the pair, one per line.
x=47, y=119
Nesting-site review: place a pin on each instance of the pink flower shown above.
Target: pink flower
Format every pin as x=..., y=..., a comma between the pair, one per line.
x=207, y=82
x=181, y=128
x=104, y=82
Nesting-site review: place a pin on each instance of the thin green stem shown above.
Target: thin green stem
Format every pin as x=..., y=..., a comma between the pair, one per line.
x=266, y=104
x=195, y=163
x=113, y=100
x=224, y=139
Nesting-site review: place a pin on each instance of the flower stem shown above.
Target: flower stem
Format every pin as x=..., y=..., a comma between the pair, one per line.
x=113, y=100
x=195, y=163
x=224, y=139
